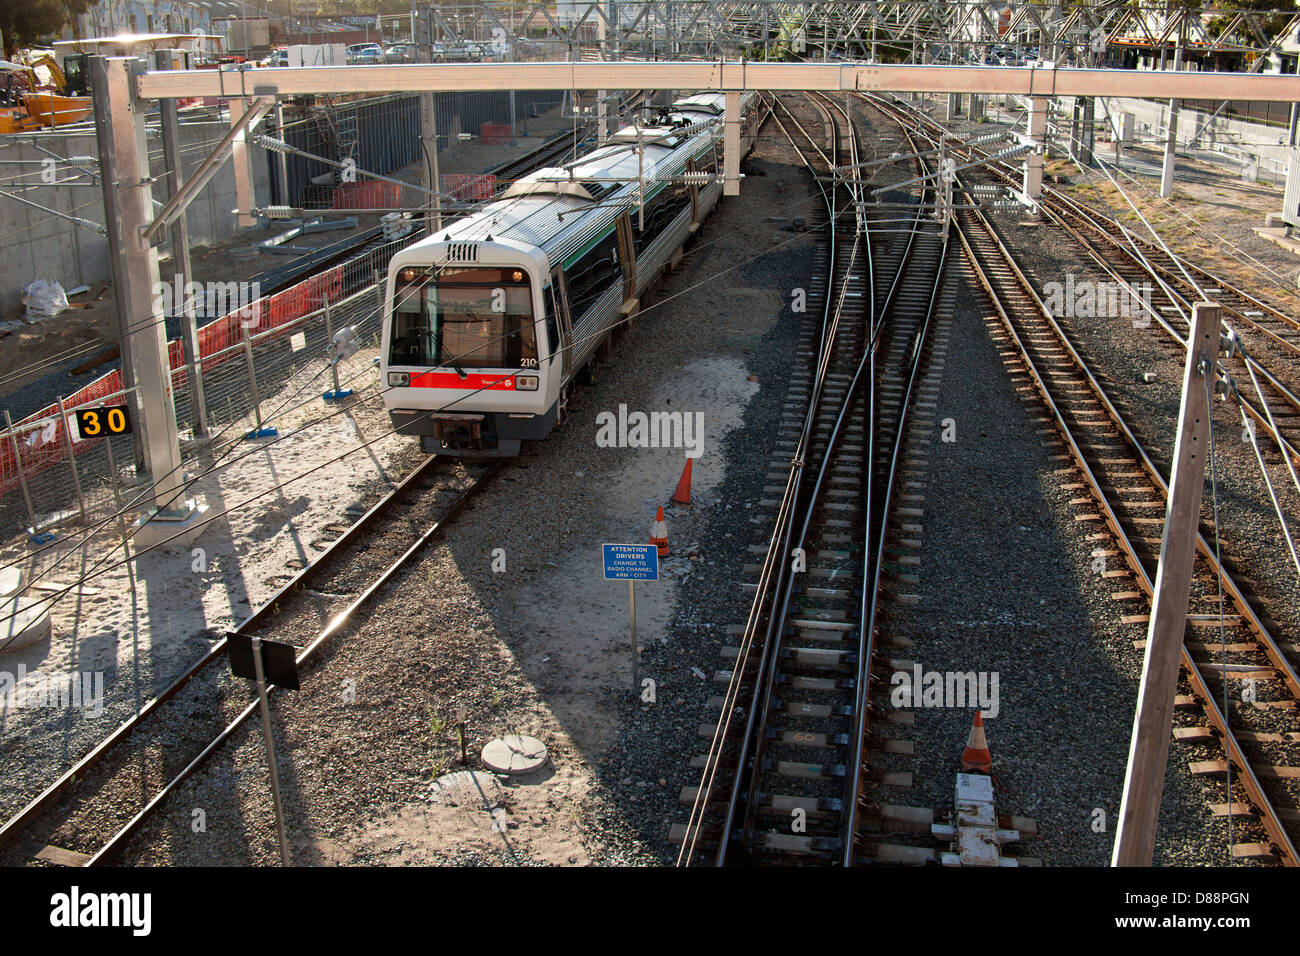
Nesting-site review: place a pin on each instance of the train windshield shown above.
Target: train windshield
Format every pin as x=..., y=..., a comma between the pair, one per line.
x=463, y=318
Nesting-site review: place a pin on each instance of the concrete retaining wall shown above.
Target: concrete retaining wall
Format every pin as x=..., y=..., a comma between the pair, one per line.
x=1234, y=139
x=36, y=245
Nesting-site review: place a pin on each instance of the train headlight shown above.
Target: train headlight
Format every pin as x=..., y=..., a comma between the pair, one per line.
x=399, y=379
x=409, y=275
x=526, y=383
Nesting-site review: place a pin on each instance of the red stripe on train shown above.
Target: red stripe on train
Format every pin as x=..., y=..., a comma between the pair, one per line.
x=492, y=382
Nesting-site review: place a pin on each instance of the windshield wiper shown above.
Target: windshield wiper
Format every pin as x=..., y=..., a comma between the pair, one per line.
x=460, y=371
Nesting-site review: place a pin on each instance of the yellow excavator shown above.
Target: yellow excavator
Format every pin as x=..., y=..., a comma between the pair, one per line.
x=24, y=110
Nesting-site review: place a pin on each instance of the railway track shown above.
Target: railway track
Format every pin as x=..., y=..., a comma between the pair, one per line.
x=92, y=811
x=1270, y=338
x=789, y=759
x=1122, y=497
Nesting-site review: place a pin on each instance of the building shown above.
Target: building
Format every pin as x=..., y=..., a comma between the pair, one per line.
x=113, y=17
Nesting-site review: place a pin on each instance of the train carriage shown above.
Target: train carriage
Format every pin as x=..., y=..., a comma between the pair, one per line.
x=489, y=323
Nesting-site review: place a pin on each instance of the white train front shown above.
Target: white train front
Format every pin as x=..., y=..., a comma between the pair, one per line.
x=488, y=324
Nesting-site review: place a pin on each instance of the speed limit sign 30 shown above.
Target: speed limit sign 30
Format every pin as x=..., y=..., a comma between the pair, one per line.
x=105, y=420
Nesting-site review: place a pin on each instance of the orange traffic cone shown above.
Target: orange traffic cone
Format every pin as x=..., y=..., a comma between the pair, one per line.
x=976, y=756
x=683, y=493
x=659, y=533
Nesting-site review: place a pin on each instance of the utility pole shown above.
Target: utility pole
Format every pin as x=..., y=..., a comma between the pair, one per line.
x=731, y=144
x=112, y=214
x=1152, y=725
x=128, y=208
x=1294, y=125
x=180, y=234
x=1171, y=134
x=428, y=127
x=1036, y=121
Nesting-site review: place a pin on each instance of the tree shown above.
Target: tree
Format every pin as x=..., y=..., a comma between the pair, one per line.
x=31, y=21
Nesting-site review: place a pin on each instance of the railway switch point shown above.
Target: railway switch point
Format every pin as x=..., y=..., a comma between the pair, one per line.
x=683, y=493
x=976, y=756
x=515, y=754
x=659, y=533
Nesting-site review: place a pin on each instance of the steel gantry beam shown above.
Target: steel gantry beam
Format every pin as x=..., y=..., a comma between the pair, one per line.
x=739, y=75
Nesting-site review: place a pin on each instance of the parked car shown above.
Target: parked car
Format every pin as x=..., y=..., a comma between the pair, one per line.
x=277, y=58
x=400, y=53
x=365, y=53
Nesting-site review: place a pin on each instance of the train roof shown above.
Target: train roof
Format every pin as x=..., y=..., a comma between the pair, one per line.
x=560, y=209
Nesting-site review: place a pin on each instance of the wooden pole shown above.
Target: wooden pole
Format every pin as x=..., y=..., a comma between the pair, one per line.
x=1152, y=726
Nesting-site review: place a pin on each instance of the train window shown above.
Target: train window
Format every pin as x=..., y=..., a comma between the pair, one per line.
x=590, y=276
x=661, y=210
x=471, y=318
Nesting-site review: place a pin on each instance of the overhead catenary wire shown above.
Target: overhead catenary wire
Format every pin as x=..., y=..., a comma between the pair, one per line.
x=1175, y=297
x=53, y=597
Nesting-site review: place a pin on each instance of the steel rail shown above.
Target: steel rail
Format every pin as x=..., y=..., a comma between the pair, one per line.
x=1268, y=645
x=775, y=620
x=304, y=657
x=1247, y=777
x=870, y=598
x=1288, y=672
x=1093, y=219
x=1271, y=819
x=13, y=827
x=772, y=561
x=766, y=687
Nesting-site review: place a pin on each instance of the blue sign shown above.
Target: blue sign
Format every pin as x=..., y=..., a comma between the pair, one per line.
x=631, y=562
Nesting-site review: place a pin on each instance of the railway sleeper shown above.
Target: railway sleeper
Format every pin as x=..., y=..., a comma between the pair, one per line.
x=801, y=682
x=804, y=770
x=793, y=843
x=803, y=738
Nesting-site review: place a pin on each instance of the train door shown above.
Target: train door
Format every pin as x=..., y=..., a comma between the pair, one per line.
x=559, y=328
x=562, y=326
x=627, y=251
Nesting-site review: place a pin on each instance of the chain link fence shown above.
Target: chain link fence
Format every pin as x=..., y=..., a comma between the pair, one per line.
x=54, y=475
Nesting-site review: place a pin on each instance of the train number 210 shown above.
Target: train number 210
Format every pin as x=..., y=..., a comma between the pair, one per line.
x=111, y=420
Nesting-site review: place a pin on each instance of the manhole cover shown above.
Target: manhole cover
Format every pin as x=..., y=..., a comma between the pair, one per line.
x=514, y=753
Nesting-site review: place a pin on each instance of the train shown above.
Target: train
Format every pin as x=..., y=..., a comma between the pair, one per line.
x=490, y=322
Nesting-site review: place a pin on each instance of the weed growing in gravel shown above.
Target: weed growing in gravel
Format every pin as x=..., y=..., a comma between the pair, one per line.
x=438, y=762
